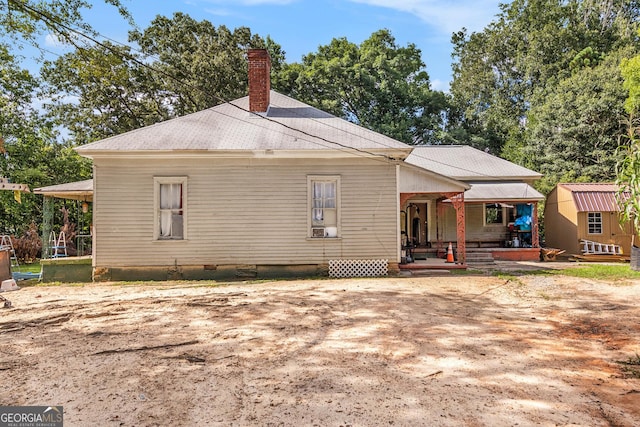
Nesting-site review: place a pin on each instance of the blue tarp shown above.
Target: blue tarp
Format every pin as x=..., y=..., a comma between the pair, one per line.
x=24, y=276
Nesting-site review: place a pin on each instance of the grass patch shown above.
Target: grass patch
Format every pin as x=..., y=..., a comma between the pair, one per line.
x=29, y=268
x=631, y=366
x=465, y=272
x=601, y=272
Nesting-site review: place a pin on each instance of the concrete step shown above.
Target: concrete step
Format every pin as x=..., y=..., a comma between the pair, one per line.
x=480, y=258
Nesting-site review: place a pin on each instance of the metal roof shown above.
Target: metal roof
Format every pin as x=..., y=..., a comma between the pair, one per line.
x=288, y=125
x=465, y=163
x=501, y=192
x=78, y=190
x=593, y=197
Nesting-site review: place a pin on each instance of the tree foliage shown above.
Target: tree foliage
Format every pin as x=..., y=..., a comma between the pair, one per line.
x=31, y=153
x=102, y=91
x=180, y=66
x=21, y=20
x=529, y=53
x=628, y=166
x=573, y=127
x=196, y=64
x=377, y=84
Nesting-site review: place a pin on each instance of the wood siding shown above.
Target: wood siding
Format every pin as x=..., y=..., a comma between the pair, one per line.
x=612, y=232
x=242, y=211
x=415, y=181
x=561, y=221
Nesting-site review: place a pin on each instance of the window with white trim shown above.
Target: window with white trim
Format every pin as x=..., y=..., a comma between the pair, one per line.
x=494, y=214
x=594, y=222
x=324, y=205
x=170, y=208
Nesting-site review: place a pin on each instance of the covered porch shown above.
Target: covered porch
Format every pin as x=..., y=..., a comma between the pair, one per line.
x=492, y=221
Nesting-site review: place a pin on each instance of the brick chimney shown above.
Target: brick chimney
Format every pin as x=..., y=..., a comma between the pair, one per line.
x=259, y=80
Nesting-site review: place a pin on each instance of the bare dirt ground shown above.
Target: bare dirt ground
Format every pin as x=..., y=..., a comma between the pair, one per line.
x=424, y=351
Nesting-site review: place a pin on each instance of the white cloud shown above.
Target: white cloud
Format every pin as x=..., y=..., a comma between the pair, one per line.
x=219, y=12
x=441, y=85
x=253, y=2
x=51, y=40
x=448, y=16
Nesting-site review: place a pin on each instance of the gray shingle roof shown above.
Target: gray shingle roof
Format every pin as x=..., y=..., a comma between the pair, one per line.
x=467, y=163
x=501, y=192
x=289, y=125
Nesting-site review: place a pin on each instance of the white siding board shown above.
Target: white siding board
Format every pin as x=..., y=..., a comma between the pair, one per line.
x=242, y=212
x=414, y=181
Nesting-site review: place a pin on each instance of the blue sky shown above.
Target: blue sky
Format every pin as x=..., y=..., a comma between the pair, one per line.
x=300, y=26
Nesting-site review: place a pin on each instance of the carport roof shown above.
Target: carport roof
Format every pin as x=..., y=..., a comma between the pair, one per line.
x=78, y=190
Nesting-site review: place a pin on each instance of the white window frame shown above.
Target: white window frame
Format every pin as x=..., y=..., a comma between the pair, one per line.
x=493, y=224
x=590, y=216
x=312, y=228
x=157, y=181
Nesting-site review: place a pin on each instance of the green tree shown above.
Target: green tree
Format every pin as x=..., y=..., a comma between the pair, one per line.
x=377, y=84
x=529, y=48
x=628, y=166
x=573, y=127
x=30, y=152
x=110, y=89
x=21, y=21
x=102, y=91
x=197, y=65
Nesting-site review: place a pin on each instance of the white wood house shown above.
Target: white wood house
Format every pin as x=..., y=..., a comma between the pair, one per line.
x=263, y=185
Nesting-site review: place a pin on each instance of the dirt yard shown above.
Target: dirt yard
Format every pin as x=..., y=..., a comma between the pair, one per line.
x=429, y=351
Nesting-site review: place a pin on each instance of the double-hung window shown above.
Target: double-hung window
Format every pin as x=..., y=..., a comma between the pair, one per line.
x=594, y=222
x=170, y=207
x=324, y=205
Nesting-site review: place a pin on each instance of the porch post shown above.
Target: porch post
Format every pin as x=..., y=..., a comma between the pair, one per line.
x=457, y=199
x=535, y=234
x=47, y=225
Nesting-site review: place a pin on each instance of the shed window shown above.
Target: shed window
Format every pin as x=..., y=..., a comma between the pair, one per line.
x=594, y=222
x=170, y=207
x=324, y=201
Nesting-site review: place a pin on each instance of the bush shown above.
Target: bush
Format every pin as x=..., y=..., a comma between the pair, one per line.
x=28, y=247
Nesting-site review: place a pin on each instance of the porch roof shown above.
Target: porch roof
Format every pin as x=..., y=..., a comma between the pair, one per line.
x=466, y=163
x=78, y=190
x=502, y=192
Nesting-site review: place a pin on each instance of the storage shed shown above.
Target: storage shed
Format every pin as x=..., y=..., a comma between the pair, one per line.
x=575, y=213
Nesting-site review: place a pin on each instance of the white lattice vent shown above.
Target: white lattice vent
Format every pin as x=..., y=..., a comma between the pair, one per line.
x=358, y=267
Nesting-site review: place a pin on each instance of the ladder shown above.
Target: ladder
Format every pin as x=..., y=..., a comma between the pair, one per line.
x=590, y=247
x=57, y=245
x=7, y=244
